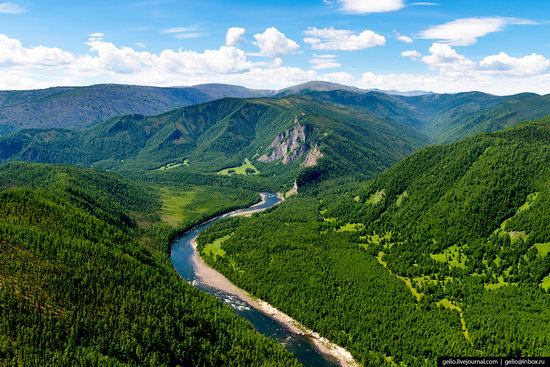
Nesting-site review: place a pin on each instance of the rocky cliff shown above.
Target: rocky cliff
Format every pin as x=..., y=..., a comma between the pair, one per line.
x=288, y=145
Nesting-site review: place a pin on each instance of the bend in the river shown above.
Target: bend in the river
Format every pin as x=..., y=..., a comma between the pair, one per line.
x=308, y=347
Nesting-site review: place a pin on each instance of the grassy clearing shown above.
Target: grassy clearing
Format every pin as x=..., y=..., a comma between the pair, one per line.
x=452, y=256
x=173, y=165
x=376, y=238
x=173, y=203
x=377, y=197
x=185, y=205
x=401, y=198
x=515, y=236
x=545, y=284
x=543, y=248
x=247, y=168
x=214, y=249
x=531, y=198
x=445, y=303
x=351, y=227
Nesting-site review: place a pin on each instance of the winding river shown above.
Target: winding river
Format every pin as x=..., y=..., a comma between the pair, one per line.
x=308, y=347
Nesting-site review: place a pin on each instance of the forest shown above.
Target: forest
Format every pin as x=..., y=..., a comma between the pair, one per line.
x=83, y=283
x=445, y=253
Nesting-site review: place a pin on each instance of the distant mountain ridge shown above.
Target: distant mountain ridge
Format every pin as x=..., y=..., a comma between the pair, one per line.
x=322, y=86
x=80, y=107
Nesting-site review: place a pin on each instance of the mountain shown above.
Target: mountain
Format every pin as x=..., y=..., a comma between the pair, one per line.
x=79, y=287
x=219, y=91
x=280, y=135
x=445, y=253
x=322, y=86
x=318, y=86
x=443, y=117
x=440, y=117
x=79, y=107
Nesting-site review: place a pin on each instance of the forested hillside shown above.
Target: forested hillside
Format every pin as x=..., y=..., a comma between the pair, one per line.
x=276, y=135
x=443, y=117
x=84, y=281
x=79, y=107
x=445, y=253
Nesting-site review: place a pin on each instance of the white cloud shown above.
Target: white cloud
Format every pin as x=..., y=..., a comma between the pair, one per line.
x=41, y=66
x=411, y=54
x=234, y=36
x=466, y=31
x=13, y=54
x=495, y=84
x=502, y=63
x=321, y=62
x=184, y=32
x=95, y=36
x=402, y=38
x=342, y=39
x=370, y=6
x=339, y=77
x=140, y=45
x=24, y=67
x=445, y=59
x=424, y=3
x=189, y=35
x=274, y=43
x=179, y=30
x=11, y=8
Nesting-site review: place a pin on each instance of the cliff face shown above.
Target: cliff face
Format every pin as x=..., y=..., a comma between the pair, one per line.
x=288, y=145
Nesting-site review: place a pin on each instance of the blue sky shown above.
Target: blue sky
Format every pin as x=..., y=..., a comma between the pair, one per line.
x=501, y=47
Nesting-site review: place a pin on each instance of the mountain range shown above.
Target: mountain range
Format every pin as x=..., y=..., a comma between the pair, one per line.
x=79, y=107
x=337, y=129
x=417, y=225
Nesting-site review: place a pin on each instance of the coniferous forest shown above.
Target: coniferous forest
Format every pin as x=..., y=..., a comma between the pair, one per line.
x=389, y=243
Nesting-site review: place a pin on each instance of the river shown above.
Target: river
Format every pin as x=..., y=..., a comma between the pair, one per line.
x=184, y=259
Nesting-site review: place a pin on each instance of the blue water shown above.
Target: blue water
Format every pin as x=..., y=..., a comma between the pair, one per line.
x=301, y=346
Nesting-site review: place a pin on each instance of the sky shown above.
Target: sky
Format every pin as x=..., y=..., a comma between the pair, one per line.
x=495, y=46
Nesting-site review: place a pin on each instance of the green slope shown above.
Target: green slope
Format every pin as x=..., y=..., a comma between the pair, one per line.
x=78, y=288
x=439, y=255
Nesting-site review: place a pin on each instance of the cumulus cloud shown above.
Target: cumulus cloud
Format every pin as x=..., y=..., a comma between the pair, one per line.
x=234, y=36
x=411, y=54
x=466, y=31
x=23, y=67
x=342, y=39
x=369, y=6
x=13, y=54
x=503, y=63
x=11, y=8
x=449, y=62
x=273, y=43
x=41, y=66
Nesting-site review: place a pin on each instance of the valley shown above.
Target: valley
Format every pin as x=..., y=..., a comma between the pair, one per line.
x=413, y=226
